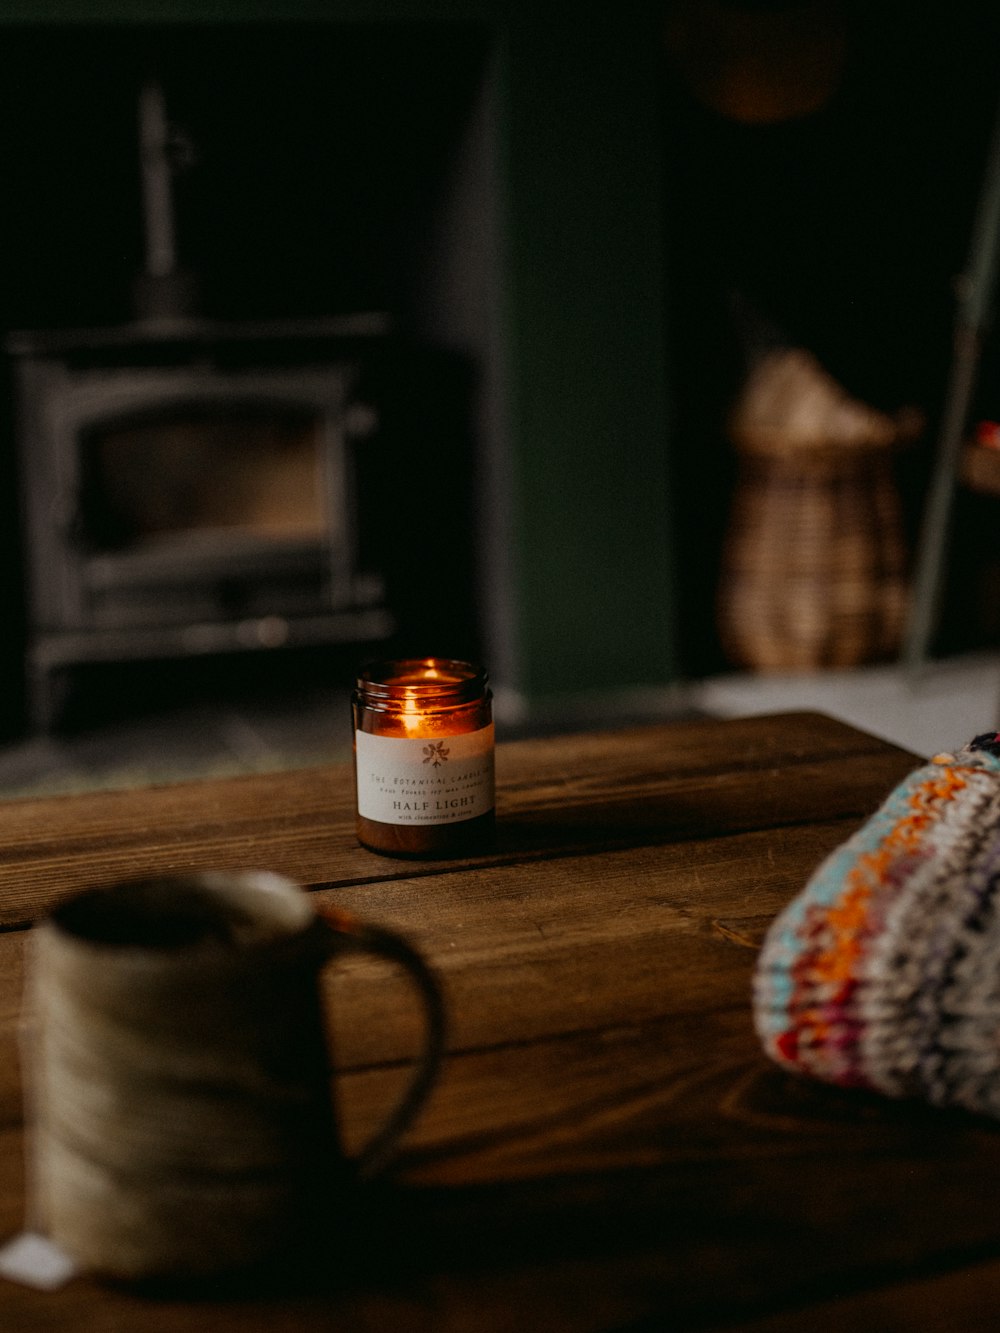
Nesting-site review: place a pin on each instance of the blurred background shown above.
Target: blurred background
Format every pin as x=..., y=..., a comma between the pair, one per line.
x=611, y=346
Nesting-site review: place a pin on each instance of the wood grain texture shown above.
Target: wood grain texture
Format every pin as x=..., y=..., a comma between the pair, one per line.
x=649, y=785
x=607, y=1147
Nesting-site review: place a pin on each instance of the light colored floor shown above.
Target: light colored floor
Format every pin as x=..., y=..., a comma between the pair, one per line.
x=186, y=743
x=938, y=709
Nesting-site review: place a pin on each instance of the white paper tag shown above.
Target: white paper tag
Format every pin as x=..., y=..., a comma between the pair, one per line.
x=34, y=1261
x=426, y=780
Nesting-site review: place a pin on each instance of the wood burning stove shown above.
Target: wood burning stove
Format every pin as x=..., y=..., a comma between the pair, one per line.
x=190, y=487
x=282, y=473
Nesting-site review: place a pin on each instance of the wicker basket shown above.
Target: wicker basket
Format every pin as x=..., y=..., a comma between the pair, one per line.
x=814, y=570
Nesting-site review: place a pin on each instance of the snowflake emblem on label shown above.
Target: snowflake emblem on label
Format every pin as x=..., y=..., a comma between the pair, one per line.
x=437, y=754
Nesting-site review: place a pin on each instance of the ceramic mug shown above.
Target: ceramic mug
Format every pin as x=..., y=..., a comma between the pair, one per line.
x=178, y=1074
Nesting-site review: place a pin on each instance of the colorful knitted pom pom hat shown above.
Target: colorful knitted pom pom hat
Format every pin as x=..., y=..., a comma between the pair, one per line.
x=884, y=972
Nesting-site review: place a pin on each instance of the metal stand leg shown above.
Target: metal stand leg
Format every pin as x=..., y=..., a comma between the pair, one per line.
x=928, y=581
x=975, y=291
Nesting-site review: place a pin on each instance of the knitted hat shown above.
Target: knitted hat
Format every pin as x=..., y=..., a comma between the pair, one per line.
x=884, y=972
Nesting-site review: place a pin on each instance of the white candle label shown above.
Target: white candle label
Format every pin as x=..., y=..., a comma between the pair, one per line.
x=425, y=780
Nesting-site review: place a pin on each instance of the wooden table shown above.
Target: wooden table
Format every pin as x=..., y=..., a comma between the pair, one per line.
x=607, y=1147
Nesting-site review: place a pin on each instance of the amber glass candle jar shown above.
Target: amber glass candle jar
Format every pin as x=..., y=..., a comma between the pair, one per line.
x=423, y=757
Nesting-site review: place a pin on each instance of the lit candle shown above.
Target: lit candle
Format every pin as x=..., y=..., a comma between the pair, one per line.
x=423, y=757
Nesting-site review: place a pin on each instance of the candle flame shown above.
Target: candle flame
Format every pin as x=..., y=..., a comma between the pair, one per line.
x=415, y=721
x=411, y=717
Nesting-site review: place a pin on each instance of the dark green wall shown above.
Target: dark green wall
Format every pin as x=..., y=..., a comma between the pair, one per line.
x=587, y=390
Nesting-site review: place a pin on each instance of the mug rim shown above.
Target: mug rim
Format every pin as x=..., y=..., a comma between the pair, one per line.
x=251, y=889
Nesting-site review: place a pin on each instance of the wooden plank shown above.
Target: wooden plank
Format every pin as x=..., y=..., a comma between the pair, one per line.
x=962, y=1301
x=694, y=746
x=649, y=785
x=605, y=1112
x=607, y=1144
x=534, y=951
x=710, y=1186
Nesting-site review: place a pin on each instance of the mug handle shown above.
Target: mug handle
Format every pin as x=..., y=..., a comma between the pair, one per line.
x=364, y=938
